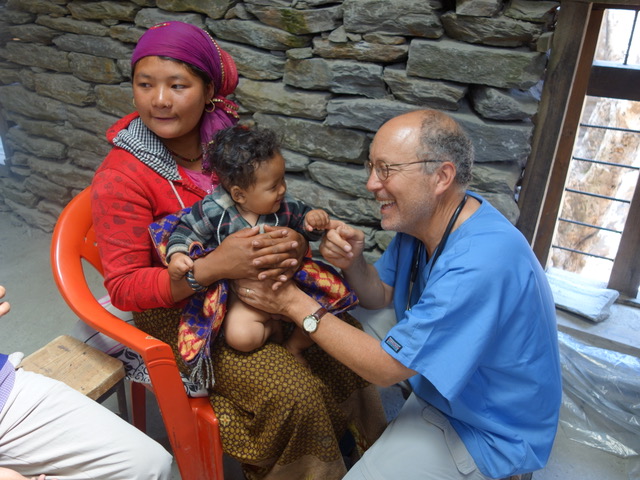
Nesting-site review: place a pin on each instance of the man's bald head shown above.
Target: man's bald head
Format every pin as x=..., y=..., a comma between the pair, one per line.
x=437, y=136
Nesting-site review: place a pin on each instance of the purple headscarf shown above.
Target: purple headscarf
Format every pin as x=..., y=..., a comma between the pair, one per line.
x=193, y=45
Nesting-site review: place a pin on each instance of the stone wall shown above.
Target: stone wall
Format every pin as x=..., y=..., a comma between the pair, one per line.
x=324, y=73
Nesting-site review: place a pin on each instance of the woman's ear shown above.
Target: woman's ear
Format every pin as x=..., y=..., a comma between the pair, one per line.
x=209, y=92
x=238, y=195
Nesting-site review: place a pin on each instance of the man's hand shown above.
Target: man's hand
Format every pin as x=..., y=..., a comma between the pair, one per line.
x=261, y=295
x=342, y=245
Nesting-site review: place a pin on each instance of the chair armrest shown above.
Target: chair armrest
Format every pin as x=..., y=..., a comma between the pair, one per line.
x=156, y=354
x=80, y=299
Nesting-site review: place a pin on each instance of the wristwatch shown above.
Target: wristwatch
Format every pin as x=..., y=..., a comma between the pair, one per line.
x=310, y=322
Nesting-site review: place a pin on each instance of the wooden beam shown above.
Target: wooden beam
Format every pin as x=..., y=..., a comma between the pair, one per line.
x=565, y=50
x=562, y=161
x=614, y=81
x=625, y=275
x=622, y=4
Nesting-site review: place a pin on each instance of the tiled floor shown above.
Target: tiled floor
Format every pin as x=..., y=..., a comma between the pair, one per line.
x=39, y=315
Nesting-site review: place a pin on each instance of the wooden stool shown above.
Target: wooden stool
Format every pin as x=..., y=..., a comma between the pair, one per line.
x=82, y=367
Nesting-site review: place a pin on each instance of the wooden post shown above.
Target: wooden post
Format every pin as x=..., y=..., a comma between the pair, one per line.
x=563, y=64
x=560, y=168
x=625, y=275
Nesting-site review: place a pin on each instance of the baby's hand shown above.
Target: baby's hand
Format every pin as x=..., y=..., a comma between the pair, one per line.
x=316, y=220
x=179, y=265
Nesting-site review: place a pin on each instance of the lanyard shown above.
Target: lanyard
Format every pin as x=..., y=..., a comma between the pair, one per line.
x=418, y=251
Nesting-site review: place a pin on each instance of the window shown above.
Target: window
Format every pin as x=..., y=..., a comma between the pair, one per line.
x=602, y=177
x=591, y=103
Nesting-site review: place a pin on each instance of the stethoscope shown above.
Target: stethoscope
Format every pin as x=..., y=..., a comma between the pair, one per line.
x=418, y=252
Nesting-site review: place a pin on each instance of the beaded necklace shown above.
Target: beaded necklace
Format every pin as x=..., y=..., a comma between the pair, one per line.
x=185, y=159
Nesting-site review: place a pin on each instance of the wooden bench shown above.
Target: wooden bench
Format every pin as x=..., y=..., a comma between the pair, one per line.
x=82, y=367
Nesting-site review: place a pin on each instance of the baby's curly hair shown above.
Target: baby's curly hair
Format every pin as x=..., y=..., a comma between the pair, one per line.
x=236, y=152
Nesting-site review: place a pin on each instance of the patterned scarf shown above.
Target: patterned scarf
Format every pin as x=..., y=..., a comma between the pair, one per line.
x=203, y=314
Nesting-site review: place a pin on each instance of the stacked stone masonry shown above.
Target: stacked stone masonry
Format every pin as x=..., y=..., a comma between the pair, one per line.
x=324, y=73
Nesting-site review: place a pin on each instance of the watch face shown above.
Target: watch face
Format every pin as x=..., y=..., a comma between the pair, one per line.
x=310, y=324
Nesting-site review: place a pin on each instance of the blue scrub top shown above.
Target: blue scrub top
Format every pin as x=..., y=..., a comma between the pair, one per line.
x=482, y=337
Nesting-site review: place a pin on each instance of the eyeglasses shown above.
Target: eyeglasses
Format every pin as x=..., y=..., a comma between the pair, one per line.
x=383, y=170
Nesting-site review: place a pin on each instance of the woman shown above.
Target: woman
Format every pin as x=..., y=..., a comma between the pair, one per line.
x=277, y=418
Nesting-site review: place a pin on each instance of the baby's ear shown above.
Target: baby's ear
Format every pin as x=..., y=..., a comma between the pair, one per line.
x=238, y=194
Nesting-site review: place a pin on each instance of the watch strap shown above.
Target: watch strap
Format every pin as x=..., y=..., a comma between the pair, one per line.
x=320, y=313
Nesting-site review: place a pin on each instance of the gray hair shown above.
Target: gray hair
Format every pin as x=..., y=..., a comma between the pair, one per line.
x=442, y=138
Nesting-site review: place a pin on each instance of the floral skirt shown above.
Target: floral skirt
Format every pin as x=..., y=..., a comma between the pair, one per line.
x=278, y=418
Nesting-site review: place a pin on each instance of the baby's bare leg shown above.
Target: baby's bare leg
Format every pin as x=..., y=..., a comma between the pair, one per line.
x=247, y=328
x=297, y=343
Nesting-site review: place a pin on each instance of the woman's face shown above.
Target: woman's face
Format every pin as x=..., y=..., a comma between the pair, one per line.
x=170, y=98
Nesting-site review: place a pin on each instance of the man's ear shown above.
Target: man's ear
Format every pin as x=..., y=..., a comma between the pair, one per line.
x=445, y=176
x=238, y=194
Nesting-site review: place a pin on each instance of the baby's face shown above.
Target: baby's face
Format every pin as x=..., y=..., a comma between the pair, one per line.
x=266, y=194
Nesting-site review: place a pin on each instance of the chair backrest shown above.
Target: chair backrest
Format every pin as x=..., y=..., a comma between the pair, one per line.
x=73, y=242
x=191, y=425
x=79, y=236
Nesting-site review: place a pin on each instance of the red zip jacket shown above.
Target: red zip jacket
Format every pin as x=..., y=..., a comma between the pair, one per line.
x=126, y=197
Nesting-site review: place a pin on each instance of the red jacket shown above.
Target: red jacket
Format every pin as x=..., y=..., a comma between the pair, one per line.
x=127, y=196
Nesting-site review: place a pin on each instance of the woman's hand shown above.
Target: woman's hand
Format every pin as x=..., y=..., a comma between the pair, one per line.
x=232, y=259
x=280, y=254
x=274, y=254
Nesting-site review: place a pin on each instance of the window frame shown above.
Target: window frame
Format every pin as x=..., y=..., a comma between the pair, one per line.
x=568, y=80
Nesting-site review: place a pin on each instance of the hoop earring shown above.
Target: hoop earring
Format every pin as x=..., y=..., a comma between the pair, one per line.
x=213, y=106
x=133, y=102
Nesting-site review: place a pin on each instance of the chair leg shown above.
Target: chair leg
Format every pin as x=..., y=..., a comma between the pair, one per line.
x=139, y=405
x=122, y=401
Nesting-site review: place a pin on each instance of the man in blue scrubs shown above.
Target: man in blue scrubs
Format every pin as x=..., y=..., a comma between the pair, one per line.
x=475, y=333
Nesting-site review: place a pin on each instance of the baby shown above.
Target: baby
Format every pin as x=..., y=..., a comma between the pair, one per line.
x=252, y=191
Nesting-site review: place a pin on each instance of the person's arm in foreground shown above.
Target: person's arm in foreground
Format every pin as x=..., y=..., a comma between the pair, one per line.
x=343, y=247
x=4, y=306
x=349, y=345
x=6, y=474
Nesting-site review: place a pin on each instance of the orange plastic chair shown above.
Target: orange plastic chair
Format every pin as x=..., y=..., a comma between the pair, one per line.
x=191, y=424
